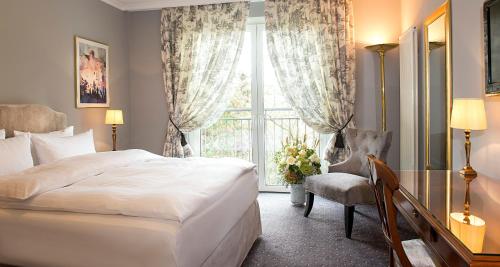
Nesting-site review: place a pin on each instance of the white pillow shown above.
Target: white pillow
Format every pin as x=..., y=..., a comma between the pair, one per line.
x=15, y=155
x=2, y=134
x=68, y=131
x=49, y=148
x=62, y=133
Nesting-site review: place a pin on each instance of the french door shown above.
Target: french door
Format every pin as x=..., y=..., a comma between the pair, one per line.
x=258, y=118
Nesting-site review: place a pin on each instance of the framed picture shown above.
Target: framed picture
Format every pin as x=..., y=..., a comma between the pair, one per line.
x=92, y=74
x=492, y=46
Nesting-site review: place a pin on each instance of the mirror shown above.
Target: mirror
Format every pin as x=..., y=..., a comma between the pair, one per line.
x=437, y=90
x=492, y=46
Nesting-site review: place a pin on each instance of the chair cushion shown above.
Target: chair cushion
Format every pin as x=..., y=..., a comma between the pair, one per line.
x=344, y=188
x=418, y=254
x=364, y=142
x=360, y=143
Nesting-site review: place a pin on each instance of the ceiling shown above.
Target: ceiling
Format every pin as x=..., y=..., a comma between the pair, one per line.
x=137, y=5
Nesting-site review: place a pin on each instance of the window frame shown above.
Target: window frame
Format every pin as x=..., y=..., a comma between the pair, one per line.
x=256, y=27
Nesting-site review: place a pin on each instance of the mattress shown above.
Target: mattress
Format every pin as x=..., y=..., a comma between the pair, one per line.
x=51, y=238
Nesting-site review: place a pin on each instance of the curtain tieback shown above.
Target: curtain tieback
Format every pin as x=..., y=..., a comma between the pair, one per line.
x=339, y=137
x=183, y=137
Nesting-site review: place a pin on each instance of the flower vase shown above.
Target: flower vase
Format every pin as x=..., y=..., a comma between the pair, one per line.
x=297, y=194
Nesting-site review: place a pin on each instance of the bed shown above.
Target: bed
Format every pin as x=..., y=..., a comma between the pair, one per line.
x=184, y=212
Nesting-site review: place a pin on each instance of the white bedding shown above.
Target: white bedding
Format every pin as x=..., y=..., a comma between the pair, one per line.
x=51, y=148
x=67, y=239
x=132, y=183
x=15, y=155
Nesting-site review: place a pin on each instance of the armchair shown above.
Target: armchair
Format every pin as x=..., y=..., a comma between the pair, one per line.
x=347, y=182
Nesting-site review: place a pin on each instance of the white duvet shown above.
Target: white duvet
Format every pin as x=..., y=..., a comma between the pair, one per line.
x=132, y=182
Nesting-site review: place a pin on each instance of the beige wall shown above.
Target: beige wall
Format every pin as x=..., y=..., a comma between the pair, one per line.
x=469, y=81
x=37, y=62
x=414, y=12
x=468, y=75
x=377, y=22
x=147, y=98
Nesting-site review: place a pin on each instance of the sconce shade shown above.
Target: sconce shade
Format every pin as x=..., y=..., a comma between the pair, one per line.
x=468, y=114
x=472, y=235
x=114, y=117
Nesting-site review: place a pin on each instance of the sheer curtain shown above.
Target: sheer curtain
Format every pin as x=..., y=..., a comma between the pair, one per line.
x=311, y=45
x=200, y=47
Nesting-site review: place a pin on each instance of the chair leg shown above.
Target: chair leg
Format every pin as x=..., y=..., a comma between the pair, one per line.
x=309, y=203
x=348, y=220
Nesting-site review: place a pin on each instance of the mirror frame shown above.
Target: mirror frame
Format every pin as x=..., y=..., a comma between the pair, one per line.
x=445, y=10
x=492, y=87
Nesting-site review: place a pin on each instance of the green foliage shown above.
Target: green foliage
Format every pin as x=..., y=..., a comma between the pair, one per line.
x=297, y=160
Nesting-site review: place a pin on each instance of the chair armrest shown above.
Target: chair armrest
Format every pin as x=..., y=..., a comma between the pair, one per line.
x=347, y=166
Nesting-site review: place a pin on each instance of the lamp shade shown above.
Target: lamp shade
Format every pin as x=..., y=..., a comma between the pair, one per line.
x=468, y=114
x=114, y=116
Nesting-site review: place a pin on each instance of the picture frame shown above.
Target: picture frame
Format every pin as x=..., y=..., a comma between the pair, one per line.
x=491, y=13
x=91, y=74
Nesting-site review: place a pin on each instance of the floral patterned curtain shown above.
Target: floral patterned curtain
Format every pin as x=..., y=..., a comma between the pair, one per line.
x=311, y=45
x=200, y=47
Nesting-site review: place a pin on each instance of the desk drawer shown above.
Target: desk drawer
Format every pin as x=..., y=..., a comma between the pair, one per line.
x=428, y=232
x=416, y=220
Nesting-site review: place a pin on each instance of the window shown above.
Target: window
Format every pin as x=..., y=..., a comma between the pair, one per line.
x=258, y=117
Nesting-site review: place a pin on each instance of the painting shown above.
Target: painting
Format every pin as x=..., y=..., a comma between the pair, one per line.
x=92, y=74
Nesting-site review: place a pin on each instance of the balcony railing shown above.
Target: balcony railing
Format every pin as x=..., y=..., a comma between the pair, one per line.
x=280, y=124
x=231, y=136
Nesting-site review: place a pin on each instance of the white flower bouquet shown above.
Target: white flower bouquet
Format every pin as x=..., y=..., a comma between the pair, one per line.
x=297, y=160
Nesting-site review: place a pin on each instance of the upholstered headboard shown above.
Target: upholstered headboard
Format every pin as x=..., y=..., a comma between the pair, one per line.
x=30, y=118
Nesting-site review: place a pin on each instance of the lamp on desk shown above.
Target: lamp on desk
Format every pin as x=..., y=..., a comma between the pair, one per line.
x=468, y=114
x=114, y=117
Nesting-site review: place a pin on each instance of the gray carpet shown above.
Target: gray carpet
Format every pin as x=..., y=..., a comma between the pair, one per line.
x=289, y=239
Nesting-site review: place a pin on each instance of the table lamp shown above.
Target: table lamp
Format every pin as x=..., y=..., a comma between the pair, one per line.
x=114, y=117
x=468, y=114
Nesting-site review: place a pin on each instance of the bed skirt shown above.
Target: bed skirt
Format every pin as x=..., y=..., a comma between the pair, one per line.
x=234, y=248
x=18, y=248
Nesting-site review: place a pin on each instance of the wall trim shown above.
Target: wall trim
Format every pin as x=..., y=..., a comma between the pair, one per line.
x=115, y=3
x=144, y=5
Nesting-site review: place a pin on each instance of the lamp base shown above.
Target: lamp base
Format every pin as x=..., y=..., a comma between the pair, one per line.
x=113, y=127
x=468, y=173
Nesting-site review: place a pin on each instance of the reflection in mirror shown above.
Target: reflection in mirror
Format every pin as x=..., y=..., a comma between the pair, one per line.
x=437, y=94
x=437, y=90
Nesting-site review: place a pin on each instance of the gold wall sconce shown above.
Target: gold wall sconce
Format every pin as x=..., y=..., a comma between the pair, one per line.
x=381, y=49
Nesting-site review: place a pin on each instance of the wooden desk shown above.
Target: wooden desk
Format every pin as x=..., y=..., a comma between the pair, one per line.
x=426, y=198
